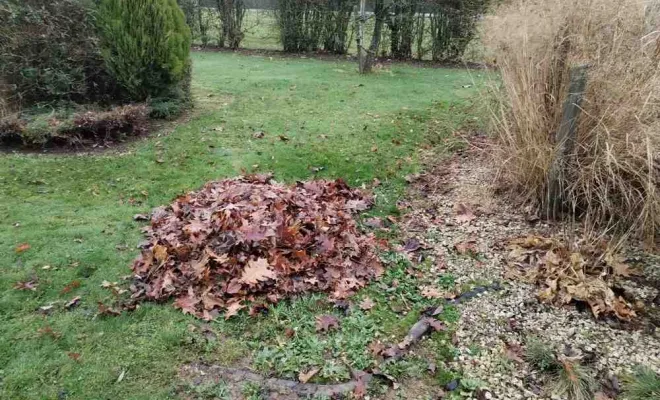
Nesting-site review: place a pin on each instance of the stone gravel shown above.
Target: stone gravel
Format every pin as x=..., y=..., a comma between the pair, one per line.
x=496, y=322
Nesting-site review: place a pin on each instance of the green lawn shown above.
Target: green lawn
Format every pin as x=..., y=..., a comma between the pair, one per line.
x=75, y=212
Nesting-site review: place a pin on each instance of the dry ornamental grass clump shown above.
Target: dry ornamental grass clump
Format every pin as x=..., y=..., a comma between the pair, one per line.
x=612, y=176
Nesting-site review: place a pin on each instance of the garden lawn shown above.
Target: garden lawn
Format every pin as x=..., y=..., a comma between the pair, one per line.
x=319, y=120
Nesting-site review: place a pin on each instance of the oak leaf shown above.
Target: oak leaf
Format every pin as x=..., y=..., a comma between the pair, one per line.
x=463, y=213
x=257, y=271
x=367, y=304
x=304, y=377
x=233, y=309
x=326, y=322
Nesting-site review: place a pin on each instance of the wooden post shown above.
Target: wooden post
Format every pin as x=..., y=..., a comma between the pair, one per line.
x=362, y=51
x=565, y=139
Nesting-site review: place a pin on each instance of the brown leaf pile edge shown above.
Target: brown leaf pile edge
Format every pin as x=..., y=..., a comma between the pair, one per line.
x=252, y=239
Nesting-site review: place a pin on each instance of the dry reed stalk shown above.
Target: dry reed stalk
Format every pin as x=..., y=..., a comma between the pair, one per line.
x=613, y=176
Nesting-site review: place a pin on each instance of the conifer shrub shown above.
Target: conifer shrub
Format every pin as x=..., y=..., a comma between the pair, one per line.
x=146, y=47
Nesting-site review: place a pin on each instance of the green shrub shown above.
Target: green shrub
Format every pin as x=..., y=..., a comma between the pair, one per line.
x=49, y=52
x=163, y=108
x=146, y=46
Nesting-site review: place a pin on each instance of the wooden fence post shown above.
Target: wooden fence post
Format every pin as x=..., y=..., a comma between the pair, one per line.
x=565, y=139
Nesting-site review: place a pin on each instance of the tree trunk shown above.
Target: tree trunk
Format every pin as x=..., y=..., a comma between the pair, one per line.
x=366, y=64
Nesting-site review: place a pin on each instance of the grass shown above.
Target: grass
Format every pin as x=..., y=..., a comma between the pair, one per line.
x=574, y=381
x=643, y=384
x=75, y=212
x=541, y=355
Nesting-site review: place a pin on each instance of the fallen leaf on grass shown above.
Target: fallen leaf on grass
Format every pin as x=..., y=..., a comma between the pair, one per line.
x=72, y=303
x=26, y=285
x=48, y=331
x=367, y=304
x=75, y=284
x=437, y=325
x=360, y=390
x=376, y=348
x=107, y=311
x=306, y=376
x=233, y=309
x=141, y=217
x=431, y=292
x=22, y=248
x=188, y=303
x=326, y=322
x=74, y=356
x=250, y=237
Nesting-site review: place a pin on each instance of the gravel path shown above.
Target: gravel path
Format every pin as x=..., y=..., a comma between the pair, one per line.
x=456, y=207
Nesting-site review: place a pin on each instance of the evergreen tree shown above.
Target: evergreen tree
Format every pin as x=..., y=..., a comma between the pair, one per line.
x=146, y=47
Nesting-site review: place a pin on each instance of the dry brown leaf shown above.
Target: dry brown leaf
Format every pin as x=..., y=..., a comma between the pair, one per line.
x=431, y=292
x=22, y=248
x=257, y=271
x=26, y=285
x=601, y=396
x=367, y=304
x=466, y=247
x=233, y=310
x=72, y=303
x=514, y=352
x=326, y=322
x=437, y=325
x=618, y=266
x=376, y=348
x=160, y=253
x=306, y=376
x=360, y=390
x=464, y=213
x=570, y=273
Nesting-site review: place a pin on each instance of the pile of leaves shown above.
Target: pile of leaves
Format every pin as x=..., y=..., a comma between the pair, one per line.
x=583, y=272
x=250, y=239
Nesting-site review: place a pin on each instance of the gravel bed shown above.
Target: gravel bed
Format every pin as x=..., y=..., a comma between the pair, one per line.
x=495, y=326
